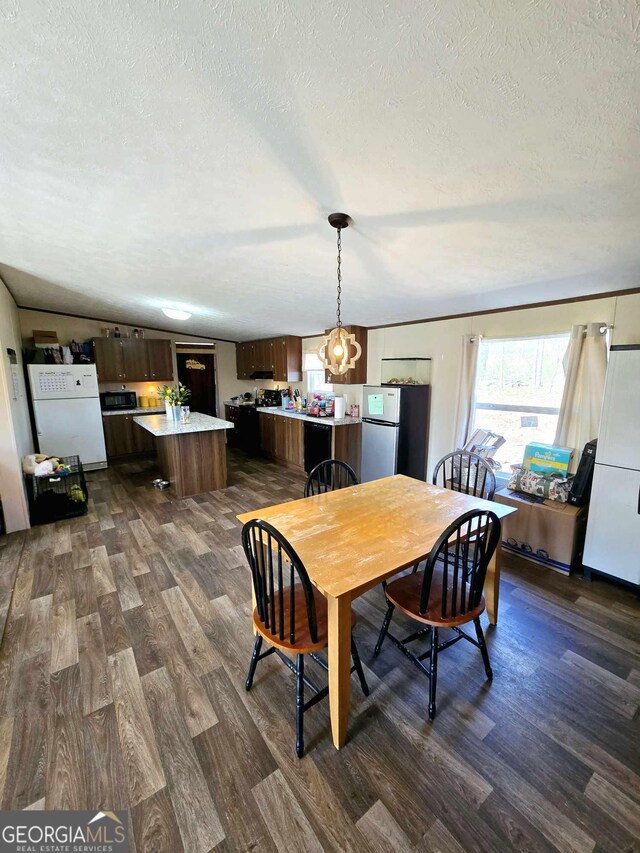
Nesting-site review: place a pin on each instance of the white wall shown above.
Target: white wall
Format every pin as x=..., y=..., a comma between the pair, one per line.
x=15, y=429
x=441, y=340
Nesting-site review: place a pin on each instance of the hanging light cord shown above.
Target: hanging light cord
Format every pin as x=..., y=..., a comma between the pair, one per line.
x=339, y=300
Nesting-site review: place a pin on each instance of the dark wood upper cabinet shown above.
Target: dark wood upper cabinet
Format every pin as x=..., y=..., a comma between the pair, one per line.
x=281, y=355
x=160, y=359
x=358, y=374
x=133, y=359
x=109, y=359
x=287, y=358
x=270, y=353
x=261, y=355
x=136, y=359
x=240, y=365
x=244, y=360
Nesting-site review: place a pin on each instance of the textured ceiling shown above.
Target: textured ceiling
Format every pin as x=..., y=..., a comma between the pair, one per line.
x=187, y=153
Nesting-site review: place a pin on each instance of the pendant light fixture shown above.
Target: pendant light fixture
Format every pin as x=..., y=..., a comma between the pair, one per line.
x=340, y=350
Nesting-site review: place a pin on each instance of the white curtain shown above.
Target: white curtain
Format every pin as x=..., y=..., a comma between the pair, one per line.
x=466, y=390
x=585, y=367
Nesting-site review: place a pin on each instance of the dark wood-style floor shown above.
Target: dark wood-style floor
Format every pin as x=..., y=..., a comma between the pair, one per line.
x=122, y=669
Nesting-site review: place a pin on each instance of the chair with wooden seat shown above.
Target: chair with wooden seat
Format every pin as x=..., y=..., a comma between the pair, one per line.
x=290, y=614
x=328, y=476
x=447, y=593
x=466, y=472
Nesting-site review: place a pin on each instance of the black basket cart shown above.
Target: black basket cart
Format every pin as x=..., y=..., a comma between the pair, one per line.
x=57, y=497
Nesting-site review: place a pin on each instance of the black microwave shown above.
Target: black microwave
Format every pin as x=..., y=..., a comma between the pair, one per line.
x=110, y=400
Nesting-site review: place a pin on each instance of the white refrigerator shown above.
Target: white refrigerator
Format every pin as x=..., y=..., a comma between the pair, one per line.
x=67, y=414
x=613, y=528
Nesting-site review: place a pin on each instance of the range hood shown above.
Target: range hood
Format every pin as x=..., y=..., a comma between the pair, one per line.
x=262, y=374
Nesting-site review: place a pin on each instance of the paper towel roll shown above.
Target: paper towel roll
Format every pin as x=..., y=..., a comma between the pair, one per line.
x=339, y=407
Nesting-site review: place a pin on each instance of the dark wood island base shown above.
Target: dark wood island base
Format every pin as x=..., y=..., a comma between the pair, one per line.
x=192, y=456
x=194, y=462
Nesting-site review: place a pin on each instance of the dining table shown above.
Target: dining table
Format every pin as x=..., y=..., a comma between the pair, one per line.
x=352, y=539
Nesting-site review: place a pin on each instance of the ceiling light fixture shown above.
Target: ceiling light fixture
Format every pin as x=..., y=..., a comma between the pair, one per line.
x=340, y=350
x=176, y=313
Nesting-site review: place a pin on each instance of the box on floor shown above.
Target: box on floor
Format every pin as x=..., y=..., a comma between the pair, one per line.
x=549, y=533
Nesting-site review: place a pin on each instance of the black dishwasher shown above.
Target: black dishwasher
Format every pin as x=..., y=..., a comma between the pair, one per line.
x=317, y=444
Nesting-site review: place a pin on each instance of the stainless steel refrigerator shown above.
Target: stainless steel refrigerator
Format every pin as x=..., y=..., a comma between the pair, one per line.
x=395, y=431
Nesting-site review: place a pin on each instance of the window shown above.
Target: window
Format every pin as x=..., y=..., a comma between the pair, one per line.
x=314, y=375
x=519, y=390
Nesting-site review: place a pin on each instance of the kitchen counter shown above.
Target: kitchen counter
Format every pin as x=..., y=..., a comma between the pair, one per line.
x=302, y=441
x=193, y=456
x=300, y=416
x=140, y=410
x=161, y=425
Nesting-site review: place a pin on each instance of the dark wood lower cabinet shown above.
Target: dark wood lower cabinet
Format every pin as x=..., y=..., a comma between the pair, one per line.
x=268, y=433
x=282, y=438
x=347, y=445
x=123, y=437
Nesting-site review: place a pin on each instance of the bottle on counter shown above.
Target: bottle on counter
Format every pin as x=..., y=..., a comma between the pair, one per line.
x=116, y=332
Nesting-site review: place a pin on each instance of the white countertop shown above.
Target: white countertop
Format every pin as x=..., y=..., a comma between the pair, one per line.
x=140, y=410
x=277, y=410
x=160, y=425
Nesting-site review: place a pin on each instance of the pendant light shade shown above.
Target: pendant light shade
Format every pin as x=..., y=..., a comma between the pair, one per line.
x=339, y=350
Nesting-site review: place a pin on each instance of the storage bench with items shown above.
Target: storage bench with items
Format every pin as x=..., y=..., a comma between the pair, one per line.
x=545, y=531
x=550, y=525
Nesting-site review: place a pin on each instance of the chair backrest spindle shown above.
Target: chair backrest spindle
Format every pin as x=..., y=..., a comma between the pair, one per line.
x=328, y=476
x=463, y=552
x=466, y=472
x=267, y=553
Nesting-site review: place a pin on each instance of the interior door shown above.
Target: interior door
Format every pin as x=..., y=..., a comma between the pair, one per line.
x=379, y=451
x=613, y=528
x=197, y=372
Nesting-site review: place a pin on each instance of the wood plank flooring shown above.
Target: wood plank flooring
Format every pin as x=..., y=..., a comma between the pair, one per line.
x=122, y=668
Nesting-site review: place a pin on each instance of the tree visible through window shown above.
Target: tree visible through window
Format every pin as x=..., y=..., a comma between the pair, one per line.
x=519, y=390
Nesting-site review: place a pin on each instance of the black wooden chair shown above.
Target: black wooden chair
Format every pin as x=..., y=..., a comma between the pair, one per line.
x=328, y=476
x=290, y=614
x=447, y=593
x=466, y=472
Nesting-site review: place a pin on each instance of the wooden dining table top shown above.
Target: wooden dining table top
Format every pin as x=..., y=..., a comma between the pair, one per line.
x=352, y=538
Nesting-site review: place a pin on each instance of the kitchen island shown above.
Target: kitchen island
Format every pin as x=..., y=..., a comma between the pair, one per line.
x=192, y=456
